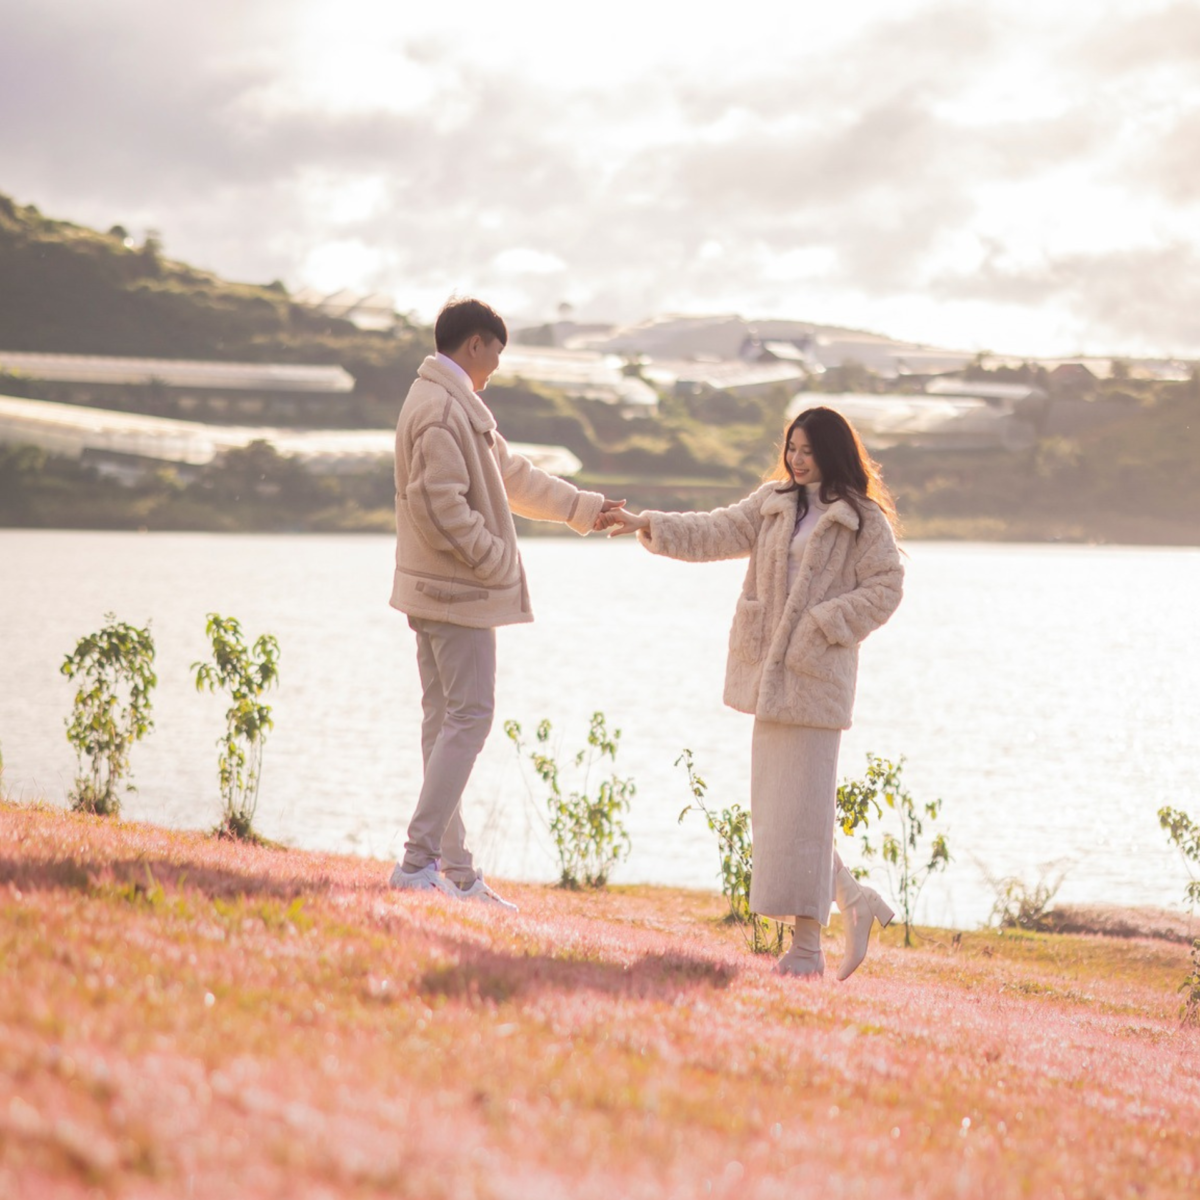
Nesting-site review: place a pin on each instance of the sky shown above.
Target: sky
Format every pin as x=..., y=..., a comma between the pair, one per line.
x=1007, y=175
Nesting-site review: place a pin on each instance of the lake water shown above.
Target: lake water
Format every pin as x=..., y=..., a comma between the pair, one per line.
x=1050, y=695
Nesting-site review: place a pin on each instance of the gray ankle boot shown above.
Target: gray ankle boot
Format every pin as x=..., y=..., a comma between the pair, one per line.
x=805, y=958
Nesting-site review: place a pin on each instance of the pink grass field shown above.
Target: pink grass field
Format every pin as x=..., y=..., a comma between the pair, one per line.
x=181, y=1016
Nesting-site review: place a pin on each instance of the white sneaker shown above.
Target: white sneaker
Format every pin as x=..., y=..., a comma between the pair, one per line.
x=427, y=879
x=482, y=894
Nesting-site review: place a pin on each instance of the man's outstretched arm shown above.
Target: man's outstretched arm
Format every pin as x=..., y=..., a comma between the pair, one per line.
x=541, y=496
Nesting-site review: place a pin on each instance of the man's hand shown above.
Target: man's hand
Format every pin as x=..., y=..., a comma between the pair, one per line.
x=606, y=519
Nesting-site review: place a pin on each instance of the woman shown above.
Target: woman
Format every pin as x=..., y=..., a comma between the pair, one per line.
x=824, y=572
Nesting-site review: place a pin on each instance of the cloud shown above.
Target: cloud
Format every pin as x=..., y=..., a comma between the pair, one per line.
x=1150, y=38
x=129, y=88
x=922, y=155
x=1173, y=163
x=1143, y=296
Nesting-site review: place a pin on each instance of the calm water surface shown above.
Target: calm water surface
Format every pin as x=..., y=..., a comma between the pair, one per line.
x=1048, y=694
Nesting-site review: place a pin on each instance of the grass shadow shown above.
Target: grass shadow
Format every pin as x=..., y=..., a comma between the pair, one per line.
x=481, y=973
x=84, y=875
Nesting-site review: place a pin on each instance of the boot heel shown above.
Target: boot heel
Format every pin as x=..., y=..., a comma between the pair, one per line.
x=879, y=909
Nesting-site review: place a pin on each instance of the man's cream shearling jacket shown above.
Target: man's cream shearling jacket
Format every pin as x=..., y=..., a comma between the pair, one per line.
x=793, y=655
x=457, y=486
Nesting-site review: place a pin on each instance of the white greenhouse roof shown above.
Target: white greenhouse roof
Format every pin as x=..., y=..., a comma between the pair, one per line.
x=888, y=419
x=983, y=389
x=726, y=375
x=70, y=430
x=583, y=373
x=82, y=368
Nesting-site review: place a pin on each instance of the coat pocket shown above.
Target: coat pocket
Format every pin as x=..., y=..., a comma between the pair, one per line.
x=450, y=595
x=809, y=652
x=747, y=635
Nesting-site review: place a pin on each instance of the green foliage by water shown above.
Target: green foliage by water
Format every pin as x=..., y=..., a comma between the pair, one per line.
x=245, y=673
x=111, y=710
x=858, y=802
x=588, y=830
x=65, y=288
x=1184, y=834
x=736, y=849
x=1022, y=905
x=253, y=487
x=910, y=856
x=1189, y=1010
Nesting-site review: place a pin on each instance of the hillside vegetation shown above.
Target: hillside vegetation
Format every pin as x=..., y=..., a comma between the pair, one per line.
x=72, y=290
x=69, y=289
x=1134, y=481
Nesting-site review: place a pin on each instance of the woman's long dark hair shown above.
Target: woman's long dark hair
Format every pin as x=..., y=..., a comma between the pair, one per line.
x=848, y=472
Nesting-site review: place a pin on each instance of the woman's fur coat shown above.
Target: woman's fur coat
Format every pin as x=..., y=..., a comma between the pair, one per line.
x=793, y=655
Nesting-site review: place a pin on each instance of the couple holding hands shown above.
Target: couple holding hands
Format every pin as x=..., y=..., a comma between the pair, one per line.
x=824, y=572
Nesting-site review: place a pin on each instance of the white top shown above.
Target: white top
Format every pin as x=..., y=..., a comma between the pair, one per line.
x=451, y=365
x=804, y=528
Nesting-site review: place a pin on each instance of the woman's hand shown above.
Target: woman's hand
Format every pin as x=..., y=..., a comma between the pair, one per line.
x=622, y=521
x=605, y=518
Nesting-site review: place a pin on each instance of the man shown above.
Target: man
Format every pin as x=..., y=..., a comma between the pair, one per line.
x=459, y=575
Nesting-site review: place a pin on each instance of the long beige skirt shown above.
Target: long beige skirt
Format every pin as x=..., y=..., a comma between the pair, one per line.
x=793, y=794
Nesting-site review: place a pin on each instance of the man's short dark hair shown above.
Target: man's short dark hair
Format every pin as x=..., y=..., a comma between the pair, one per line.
x=463, y=319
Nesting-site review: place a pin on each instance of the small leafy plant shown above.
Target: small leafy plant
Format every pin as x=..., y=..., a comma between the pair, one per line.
x=1189, y=1011
x=589, y=831
x=115, y=671
x=1020, y=905
x=908, y=860
x=858, y=798
x=245, y=673
x=1184, y=834
x=736, y=847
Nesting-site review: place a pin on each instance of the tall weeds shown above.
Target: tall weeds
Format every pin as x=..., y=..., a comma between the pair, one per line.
x=245, y=673
x=588, y=829
x=735, y=845
x=114, y=668
x=1184, y=834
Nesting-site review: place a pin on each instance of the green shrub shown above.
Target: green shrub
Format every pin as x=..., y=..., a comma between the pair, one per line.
x=1020, y=905
x=589, y=832
x=111, y=710
x=736, y=847
x=907, y=859
x=1189, y=1012
x=1184, y=834
x=245, y=674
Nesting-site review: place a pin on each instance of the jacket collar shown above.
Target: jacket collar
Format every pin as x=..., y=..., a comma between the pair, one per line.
x=478, y=413
x=777, y=502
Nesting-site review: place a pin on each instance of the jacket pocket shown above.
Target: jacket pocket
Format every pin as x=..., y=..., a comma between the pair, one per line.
x=450, y=595
x=503, y=569
x=746, y=636
x=809, y=652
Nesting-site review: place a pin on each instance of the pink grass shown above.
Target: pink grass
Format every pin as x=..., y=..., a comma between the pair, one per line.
x=182, y=1016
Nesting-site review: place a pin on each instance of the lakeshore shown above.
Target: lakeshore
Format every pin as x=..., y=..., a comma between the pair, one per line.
x=1000, y=681
x=188, y=1016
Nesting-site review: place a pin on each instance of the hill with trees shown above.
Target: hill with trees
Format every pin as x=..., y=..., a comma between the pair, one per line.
x=1133, y=481
x=68, y=289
